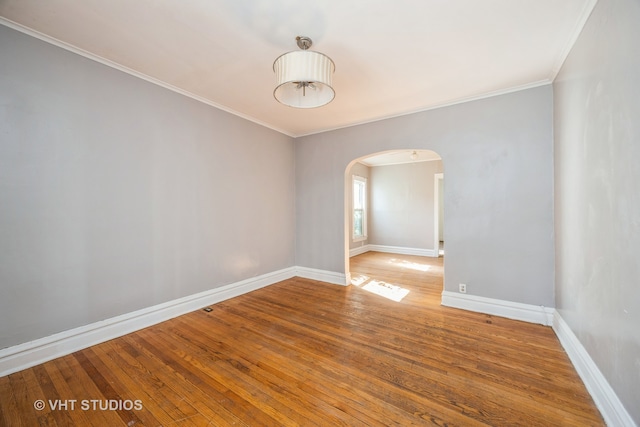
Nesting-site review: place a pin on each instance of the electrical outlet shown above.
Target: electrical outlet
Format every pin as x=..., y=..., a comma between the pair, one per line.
x=462, y=288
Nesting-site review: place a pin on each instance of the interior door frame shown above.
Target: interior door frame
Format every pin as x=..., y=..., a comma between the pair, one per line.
x=437, y=178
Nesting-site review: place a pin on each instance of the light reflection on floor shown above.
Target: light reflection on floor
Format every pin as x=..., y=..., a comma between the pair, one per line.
x=387, y=290
x=359, y=280
x=378, y=287
x=408, y=264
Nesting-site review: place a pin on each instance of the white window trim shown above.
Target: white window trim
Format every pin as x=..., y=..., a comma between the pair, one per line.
x=356, y=178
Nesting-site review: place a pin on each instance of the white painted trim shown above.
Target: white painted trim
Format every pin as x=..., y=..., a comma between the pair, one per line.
x=365, y=209
x=322, y=275
x=403, y=251
x=51, y=40
x=444, y=104
x=359, y=250
x=511, y=310
x=605, y=398
x=399, y=162
x=585, y=13
x=23, y=356
x=393, y=250
x=610, y=406
x=26, y=355
x=71, y=48
x=437, y=178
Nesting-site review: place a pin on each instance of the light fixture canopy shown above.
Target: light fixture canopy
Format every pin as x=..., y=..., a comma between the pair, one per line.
x=304, y=77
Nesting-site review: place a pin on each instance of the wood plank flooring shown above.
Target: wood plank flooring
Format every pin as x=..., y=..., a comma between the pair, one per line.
x=302, y=352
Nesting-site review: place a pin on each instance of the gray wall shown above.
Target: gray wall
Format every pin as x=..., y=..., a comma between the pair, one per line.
x=363, y=171
x=401, y=211
x=116, y=194
x=498, y=157
x=597, y=198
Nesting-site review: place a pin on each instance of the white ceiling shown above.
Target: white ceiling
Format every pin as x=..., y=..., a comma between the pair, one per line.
x=398, y=157
x=392, y=57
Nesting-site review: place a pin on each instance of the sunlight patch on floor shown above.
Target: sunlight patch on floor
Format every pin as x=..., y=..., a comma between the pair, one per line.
x=359, y=279
x=387, y=290
x=411, y=265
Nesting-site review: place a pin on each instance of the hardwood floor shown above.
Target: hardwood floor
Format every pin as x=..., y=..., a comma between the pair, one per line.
x=302, y=352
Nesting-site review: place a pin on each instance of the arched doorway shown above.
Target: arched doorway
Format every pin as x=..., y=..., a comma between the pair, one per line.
x=392, y=204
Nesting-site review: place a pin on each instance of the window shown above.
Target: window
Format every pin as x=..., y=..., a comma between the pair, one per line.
x=359, y=208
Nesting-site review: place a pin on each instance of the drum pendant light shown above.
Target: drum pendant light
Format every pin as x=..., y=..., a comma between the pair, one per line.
x=303, y=77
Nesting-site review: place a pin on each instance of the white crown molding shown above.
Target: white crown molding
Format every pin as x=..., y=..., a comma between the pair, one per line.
x=585, y=13
x=610, y=406
x=66, y=46
x=437, y=106
x=511, y=310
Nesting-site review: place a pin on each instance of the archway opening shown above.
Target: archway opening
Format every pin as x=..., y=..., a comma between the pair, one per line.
x=393, y=206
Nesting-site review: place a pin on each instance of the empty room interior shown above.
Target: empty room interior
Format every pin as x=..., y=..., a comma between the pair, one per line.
x=288, y=213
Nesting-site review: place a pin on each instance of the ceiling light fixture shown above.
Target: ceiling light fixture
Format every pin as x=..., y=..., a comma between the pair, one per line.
x=304, y=77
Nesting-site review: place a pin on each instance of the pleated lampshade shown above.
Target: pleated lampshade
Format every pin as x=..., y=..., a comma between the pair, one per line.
x=303, y=79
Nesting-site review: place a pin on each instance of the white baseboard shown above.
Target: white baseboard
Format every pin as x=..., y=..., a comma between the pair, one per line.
x=322, y=275
x=610, y=406
x=612, y=410
x=511, y=310
x=359, y=250
x=393, y=250
x=22, y=356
